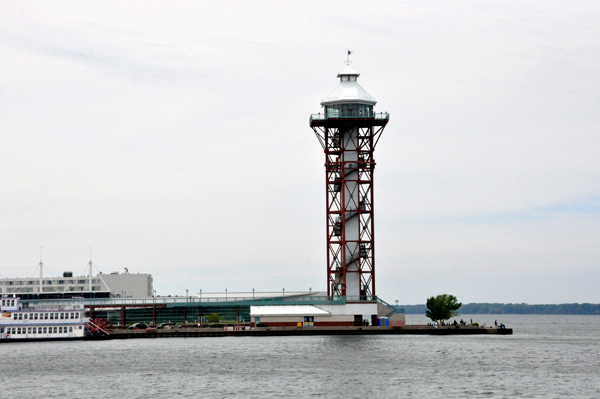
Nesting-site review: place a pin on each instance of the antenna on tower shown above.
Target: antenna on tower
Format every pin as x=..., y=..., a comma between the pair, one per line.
x=90, y=266
x=348, y=62
x=41, y=265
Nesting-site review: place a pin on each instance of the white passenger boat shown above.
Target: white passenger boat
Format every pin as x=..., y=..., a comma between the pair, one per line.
x=41, y=322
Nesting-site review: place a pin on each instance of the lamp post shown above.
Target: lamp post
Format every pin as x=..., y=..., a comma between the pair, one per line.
x=186, y=295
x=225, y=294
x=252, y=293
x=284, y=291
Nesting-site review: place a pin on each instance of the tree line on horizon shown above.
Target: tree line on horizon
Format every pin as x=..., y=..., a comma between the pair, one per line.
x=516, y=308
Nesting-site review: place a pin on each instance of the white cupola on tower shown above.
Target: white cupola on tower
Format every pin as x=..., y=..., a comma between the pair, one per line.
x=349, y=99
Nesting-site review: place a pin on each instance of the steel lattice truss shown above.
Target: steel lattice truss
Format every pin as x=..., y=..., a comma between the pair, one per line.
x=349, y=168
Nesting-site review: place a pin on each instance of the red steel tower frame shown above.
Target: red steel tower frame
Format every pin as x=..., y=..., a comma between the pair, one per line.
x=349, y=131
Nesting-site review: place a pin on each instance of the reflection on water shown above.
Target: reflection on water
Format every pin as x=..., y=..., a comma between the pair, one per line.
x=548, y=356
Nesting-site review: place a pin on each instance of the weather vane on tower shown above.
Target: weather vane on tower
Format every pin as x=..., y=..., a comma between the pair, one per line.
x=348, y=62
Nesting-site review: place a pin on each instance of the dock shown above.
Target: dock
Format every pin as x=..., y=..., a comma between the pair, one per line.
x=294, y=331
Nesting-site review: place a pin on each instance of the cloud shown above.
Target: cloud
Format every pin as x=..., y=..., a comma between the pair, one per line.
x=174, y=139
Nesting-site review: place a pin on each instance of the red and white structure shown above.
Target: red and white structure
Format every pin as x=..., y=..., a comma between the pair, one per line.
x=348, y=130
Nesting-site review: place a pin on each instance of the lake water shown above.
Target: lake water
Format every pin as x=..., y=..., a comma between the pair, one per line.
x=547, y=357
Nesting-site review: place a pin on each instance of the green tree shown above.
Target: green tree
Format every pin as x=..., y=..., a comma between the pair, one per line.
x=442, y=307
x=213, y=317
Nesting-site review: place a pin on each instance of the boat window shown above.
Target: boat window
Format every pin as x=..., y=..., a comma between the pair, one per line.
x=28, y=330
x=20, y=316
x=72, y=315
x=46, y=316
x=35, y=316
x=14, y=316
x=70, y=329
x=55, y=330
x=62, y=316
x=39, y=330
x=1, y=330
x=12, y=302
x=3, y=302
x=45, y=330
x=60, y=330
x=18, y=330
x=25, y=316
x=51, y=316
x=56, y=316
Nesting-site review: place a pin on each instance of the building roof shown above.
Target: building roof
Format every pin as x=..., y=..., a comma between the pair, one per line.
x=288, y=310
x=349, y=91
x=348, y=71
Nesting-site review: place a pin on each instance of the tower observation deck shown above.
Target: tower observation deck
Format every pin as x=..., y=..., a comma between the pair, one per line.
x=348, y=131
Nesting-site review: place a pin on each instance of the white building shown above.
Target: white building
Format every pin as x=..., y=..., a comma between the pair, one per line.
x=115, y=284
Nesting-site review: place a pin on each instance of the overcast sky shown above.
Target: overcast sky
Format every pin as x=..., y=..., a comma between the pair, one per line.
x=173, y=138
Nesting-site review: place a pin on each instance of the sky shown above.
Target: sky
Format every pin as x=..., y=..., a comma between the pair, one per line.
x=173, y=138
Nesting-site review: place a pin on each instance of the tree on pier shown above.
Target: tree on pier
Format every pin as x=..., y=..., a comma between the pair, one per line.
x=442, y=307
x=213, y=318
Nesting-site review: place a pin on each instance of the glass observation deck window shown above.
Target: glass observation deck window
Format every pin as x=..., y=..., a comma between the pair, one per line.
x=349, y=111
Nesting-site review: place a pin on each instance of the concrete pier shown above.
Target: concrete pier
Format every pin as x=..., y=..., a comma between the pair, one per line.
x=304, y=331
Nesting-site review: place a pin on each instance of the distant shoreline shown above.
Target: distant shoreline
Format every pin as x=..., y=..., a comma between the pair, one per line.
x=517, y=308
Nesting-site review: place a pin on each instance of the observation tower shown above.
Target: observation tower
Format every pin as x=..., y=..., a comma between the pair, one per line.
x=348, y=131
